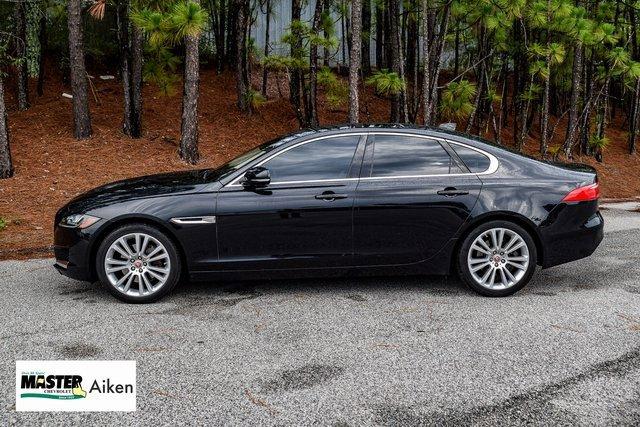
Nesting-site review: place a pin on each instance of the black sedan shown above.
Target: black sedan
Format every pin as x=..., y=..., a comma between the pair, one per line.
x=336, y=201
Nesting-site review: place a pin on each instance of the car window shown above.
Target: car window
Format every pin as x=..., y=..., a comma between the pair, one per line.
x=327, y=158
x=475, y=161
x=400, y=155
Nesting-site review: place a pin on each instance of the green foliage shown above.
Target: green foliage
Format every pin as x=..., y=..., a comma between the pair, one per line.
x=166, y=25
x=386, y=82
x=336, y=90
x=255, y=99
x=3, y=223
x=187, y=19
x=326, y=77
x=278, y=63
x=598, y=143
x=457, y=100
x=531, y=93
x=493, y=96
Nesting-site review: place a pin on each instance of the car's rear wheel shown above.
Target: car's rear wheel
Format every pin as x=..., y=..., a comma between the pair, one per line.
x=138, y=263
x=497, y=258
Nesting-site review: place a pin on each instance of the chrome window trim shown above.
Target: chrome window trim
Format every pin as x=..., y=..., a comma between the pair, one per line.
x=493, y=161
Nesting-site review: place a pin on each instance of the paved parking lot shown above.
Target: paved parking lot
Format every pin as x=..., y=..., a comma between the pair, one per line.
x=390, y=351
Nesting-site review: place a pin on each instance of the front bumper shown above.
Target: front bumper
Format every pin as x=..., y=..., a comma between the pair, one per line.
x=72, y=252
x=573, y=241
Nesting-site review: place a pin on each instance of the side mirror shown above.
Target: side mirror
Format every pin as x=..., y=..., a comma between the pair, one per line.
x=256, y=177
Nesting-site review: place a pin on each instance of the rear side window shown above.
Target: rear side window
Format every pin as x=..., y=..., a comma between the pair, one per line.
x=328, y=158
x=475, y=161
x=399, y=155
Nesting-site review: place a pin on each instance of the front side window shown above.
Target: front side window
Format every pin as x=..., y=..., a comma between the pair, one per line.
x=328, y=158
x=405, y=155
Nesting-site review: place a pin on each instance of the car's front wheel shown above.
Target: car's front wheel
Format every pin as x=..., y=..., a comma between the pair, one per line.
x=497, y=258
x=138, y=263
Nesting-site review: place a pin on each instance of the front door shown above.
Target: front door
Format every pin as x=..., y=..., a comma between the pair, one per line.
x=302, y=219
x=411, y=200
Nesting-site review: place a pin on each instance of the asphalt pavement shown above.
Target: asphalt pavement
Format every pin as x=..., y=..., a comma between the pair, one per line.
x=377, y=351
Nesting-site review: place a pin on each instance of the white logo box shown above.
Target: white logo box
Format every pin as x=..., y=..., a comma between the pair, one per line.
x=76, y=385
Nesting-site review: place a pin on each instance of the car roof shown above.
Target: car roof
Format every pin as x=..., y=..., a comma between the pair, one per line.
x=428, y=130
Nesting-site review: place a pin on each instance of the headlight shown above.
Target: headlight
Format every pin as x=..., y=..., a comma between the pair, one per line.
x=78, y=221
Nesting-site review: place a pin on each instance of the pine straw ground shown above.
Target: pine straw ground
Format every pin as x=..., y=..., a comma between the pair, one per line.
x=52, y=167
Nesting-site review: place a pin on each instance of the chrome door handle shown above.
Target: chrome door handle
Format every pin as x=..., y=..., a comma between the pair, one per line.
x=330, y=196
x=451, y=191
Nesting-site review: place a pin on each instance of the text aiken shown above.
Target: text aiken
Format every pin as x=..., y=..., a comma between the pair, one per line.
x=107, y=387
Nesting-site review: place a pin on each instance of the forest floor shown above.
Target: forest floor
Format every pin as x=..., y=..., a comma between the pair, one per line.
x=51, y=167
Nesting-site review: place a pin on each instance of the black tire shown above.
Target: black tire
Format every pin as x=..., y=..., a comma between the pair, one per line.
x=175, y=266
x=464, y=270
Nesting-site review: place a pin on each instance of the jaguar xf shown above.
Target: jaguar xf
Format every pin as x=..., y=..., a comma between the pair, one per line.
x=345, y=200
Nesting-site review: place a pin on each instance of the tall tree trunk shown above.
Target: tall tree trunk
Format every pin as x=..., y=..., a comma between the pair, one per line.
x=295, y=82
x=122, y=22
x=265, y=74
x=354, y=60
x=386, y=34
x=588, y=70
x=380, y=62
x=325, y=51
x=312, y=109
x=456, y=55
x=343, y=37
x=242, y=78
x=232, y=32
x=136, y=81
x=502, y=115
x=544, y=119
x=634, y=115
x=574, y=100
x=42, y=38
x=426, y=65
x=437, y=59
x=476, y=112
x=22, y=85
x=433, y=58
x=130, y=39
x=6, y=167
x=413, y=58
x=81, y=115
x=219, y=21
x=366, y=37
x=398, y=113
x=634, y=118
x=189, y=128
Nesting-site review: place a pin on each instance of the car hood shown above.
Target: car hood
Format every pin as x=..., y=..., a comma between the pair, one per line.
x=146, y=186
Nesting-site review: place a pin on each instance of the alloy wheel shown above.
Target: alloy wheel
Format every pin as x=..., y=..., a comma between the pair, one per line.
x=137, y=264
x=498, y=258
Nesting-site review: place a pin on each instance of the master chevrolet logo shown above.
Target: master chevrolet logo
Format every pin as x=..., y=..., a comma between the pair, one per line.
x=52, y=386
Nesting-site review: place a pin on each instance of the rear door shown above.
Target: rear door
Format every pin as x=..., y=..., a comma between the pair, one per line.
x=303, y=218
x=413, y=196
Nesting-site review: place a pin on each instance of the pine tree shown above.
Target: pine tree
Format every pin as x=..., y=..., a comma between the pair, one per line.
x=354, y=59
x=6, y=166
x=81, y=115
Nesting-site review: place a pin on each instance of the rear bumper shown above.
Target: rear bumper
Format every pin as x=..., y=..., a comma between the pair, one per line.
x=572, y=241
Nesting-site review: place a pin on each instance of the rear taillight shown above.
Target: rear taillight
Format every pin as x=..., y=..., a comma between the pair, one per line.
x=584, y=194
